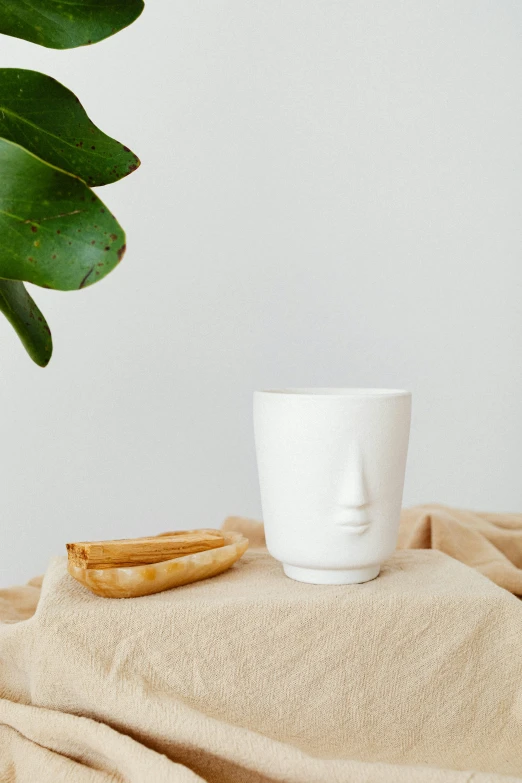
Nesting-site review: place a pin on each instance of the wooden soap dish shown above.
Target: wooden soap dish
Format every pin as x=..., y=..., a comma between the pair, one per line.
x=108, y=567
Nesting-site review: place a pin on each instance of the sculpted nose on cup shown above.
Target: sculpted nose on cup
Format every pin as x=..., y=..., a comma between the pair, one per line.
x=353, y=501
x=354, y=493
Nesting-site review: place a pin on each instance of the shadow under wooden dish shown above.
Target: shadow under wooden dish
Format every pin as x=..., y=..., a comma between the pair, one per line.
x=135, y=581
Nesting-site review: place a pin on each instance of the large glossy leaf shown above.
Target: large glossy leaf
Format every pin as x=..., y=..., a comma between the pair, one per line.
x=23, y=314
x=65, y=24
x=46, y=118
x=54, y=231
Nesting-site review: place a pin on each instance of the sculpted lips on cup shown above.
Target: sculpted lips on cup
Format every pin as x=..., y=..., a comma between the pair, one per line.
x=355, y=519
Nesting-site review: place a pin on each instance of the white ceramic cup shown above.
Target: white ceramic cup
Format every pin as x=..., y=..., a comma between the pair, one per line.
x=331, y=470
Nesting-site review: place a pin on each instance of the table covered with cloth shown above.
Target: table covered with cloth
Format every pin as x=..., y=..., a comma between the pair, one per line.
x=250, y=677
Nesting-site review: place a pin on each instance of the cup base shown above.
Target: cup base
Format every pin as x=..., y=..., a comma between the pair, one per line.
x=324, y=576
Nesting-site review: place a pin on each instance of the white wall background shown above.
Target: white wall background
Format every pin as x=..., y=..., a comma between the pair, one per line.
x=331, y=194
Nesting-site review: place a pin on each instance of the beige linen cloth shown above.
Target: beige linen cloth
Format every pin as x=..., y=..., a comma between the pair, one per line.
x=253, y=678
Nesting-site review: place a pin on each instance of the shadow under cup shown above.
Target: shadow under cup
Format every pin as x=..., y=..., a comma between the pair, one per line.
x=331, y=471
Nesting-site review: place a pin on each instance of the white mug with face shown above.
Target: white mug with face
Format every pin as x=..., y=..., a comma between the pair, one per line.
x=331, y=470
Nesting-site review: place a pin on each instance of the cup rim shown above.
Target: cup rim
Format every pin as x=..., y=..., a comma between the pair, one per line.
x=333, y=391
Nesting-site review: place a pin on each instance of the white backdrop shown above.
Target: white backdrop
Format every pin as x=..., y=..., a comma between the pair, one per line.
x=331, y=194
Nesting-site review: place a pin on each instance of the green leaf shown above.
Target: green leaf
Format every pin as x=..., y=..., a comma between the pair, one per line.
x=46, y=118
x=65, y=24
x=23, y=314
x=54, y=231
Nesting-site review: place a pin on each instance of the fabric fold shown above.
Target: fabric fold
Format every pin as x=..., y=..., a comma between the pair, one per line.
x=489, y=542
